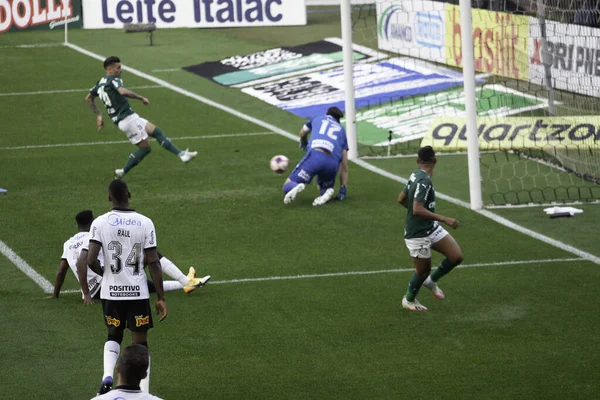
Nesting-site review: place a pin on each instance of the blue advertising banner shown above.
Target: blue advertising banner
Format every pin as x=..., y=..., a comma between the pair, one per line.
x=375, y=84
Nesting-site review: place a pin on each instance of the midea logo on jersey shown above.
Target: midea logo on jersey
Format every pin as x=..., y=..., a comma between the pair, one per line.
x=117, y=220
x=218, y=11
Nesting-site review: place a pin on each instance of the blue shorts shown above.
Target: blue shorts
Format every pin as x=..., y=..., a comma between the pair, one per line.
x=323, y=165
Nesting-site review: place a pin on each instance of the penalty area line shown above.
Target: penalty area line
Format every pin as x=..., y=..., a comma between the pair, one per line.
x=377, y=272
x=390, y=271
x=48, y=146
x=69, y=91
x=31, y=46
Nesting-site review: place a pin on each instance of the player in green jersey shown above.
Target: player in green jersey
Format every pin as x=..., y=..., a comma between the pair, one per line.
x=114, y=96
x=423, y=232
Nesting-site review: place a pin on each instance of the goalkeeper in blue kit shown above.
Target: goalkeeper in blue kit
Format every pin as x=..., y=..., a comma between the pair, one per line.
x=326, y=154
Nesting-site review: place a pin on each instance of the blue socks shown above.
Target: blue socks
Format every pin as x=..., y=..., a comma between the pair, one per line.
x=289, y=186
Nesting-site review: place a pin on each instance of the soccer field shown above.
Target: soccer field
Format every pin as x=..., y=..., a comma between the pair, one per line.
x=304, y=302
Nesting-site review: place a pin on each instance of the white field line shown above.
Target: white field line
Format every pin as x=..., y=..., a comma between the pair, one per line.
x=26, y=268
x=389, y=271
x=47, y=146
x=533, y=205
x=30, y=46
x=69, y=91
x=376, y=272
x=273, y=128
x=168, y=70
x=456, y=153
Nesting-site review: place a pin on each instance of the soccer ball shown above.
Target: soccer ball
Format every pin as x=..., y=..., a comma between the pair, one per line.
x=279, y=164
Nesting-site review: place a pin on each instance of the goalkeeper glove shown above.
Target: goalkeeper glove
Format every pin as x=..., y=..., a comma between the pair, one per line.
x=303, y=143
x=342, y=193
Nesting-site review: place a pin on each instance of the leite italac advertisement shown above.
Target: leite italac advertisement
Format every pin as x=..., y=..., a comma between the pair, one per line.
x=102, y=14
x=16, y=15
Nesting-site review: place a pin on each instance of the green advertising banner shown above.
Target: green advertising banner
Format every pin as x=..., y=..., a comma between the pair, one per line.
x=18, y=15
x=410, y=118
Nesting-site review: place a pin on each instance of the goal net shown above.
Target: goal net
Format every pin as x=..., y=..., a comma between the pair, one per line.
x=537, y=89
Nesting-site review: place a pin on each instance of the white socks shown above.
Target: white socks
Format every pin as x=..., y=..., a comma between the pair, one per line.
x=111, y=355
x=169, y=286
x=145, y=383
x=171, y=270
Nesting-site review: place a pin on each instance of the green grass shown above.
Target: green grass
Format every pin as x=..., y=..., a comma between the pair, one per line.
x=506, y=331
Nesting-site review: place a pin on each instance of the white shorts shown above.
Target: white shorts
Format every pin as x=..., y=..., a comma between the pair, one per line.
x=421, y=247
x=134, y=127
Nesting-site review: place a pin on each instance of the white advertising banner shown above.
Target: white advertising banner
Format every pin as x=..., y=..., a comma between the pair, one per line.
x=336, y=2
x=574, y=56
x=103, y=14
x=412, y=28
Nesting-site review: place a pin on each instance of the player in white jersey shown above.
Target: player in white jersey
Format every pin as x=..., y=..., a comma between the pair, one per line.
x=72, y=250
x=131, y=368
x=126, y=238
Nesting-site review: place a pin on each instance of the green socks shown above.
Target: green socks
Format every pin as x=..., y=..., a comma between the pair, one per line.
x=445, y=267
x=136, y=157
x=164, y=141
x=414, y=285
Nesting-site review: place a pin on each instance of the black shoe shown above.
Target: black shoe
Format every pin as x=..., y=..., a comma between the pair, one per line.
x=106, y=385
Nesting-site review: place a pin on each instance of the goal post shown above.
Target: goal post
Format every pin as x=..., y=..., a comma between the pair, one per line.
x=522, y=113
x=468, y=61
x=468, y=71
x=348, y=59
